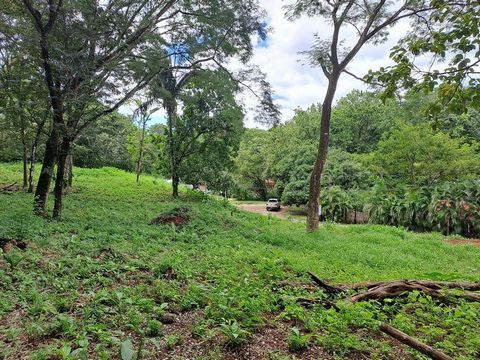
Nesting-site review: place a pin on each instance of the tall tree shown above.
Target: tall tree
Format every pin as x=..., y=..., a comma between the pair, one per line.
x=360, y=119
x=141, y=116
x=200, y=48
x=415, y=155
x=24, y=107
x=207, y=132
x=251, y=168
x=367, y=21
x=91, y=60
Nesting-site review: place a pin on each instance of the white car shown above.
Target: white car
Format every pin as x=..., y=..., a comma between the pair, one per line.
x=273, y=204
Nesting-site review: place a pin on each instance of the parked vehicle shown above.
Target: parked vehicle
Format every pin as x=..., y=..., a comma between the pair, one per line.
x=273, y=204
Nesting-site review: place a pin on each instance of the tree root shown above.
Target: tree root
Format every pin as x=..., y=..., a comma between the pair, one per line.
x=388, y=289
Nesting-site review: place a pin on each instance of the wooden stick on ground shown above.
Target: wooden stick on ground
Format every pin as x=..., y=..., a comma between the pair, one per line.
x=393, y=289
x=434, y=289
x=328, y=288
x=410, y=341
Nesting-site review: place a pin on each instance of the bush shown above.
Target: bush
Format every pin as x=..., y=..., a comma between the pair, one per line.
x=448, y=208
x=295, y=193
x=335, y=204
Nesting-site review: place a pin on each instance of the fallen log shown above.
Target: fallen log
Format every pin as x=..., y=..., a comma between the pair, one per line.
x=434, y=289
x=394, y=289
x=473, y=286
x=413, y=343
x=380, y=290
x=469, y=296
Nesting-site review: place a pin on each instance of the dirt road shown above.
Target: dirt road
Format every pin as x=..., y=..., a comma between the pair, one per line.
x=260, y=209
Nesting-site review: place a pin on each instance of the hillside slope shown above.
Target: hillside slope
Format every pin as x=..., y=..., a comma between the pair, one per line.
x=103, y=281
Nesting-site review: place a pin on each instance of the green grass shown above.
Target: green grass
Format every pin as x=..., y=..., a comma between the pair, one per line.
x=101, y=277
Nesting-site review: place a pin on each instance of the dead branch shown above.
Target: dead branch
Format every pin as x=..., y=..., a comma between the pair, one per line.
x=380, y=290
x=327, y=287
x=394, y=289
x=414, y=343
x=428, y=283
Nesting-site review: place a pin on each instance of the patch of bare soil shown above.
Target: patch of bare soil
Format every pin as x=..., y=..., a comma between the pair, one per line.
x=9, y=244
x=475, y=242
x=14, y=320
x=270, y=341
x=10, y=321
x=178, y=217
x=261, y=209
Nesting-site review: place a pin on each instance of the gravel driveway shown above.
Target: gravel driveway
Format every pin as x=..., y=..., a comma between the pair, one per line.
x=260, y=209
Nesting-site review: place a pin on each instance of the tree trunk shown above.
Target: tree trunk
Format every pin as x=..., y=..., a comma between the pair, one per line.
x=53, y=142
x=68, y=173
x=175, y=183
x=24, y=152
x=25, y=167
x=59, y=181
x=140, y=153
x=33, y=153
x=314, y=193
x=172, y=113
x=48, y=165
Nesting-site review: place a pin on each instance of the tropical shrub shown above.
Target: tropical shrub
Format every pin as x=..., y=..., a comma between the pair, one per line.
x=335, y=204
x=455, y=208
x=448, y=208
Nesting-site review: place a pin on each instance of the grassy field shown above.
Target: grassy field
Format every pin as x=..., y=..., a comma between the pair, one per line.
x=102, y=283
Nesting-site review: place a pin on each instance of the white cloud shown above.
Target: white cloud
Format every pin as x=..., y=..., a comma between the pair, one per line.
x=300, y=85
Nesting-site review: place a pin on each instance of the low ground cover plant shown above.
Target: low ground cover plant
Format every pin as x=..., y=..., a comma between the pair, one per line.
x=104, y=279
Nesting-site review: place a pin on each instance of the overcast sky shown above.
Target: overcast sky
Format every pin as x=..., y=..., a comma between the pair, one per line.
x=296, y=84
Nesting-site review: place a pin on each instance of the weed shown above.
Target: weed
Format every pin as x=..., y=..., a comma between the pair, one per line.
x=233, y=333
x=297, y=341
x=173, y=340
x=13, y=258
x=154, y=328
x=103, y=272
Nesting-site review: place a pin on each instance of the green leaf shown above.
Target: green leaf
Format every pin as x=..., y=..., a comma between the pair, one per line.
x=126, y=350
